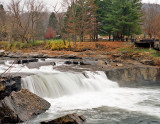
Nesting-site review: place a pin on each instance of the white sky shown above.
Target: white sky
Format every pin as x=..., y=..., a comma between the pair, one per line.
x=50, y=3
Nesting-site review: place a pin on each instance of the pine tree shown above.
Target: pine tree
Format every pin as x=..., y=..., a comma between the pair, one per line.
x=53, y=23
x=119, y=17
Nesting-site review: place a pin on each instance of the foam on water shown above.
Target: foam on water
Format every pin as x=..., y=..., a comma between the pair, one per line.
x=71, y=91
x=17, y=68
x=68, y=91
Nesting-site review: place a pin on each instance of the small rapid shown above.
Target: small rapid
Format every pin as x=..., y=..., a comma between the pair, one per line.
x=88, y=93
x=69, y=92
x=61, y=84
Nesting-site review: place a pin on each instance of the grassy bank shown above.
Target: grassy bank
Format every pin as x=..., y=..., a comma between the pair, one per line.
x=147, y=51
x=48, y=44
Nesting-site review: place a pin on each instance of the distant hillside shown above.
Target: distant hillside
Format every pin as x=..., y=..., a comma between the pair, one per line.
x=147, y=6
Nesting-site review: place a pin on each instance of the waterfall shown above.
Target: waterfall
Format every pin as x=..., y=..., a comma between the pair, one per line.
x=65, y=83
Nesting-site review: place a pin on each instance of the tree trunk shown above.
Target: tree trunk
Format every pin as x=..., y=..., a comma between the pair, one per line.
x=113, y=36
x=109, y=36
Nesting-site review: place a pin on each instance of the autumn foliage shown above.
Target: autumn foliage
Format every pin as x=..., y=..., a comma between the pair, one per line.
x=51, y=33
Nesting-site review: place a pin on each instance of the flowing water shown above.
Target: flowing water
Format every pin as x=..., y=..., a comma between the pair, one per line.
x=91, y=94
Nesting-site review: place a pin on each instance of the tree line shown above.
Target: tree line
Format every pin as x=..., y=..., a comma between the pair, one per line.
x=78, y=20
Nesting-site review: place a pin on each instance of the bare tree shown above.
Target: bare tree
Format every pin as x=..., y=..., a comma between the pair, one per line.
x=60, y=14
x=151, y=13
x=24, y=16
x=72, y=16
x=3, y=32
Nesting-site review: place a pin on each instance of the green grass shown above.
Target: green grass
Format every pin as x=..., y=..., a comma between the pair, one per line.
x=157, y=54
x=146, y=50
x=19, y=45
x=141, y=50
x=48, y=44
x=151, y=51
x=37, y=43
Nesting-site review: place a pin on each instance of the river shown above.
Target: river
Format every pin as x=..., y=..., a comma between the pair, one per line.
x=91, y=94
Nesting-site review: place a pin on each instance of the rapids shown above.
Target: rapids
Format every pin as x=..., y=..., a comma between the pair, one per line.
x=92, y=94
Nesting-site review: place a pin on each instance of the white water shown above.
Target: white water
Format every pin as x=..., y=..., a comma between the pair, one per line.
x=22, y=68
x=61, y=84
x=68, y=92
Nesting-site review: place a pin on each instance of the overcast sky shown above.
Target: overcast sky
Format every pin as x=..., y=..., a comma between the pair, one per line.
x=53, y=2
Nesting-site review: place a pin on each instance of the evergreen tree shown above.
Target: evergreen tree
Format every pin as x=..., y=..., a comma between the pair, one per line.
x=105, y=18
x=119, y=17
x=53, y=23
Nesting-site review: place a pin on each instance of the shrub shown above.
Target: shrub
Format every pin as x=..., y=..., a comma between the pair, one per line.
x=57, y=45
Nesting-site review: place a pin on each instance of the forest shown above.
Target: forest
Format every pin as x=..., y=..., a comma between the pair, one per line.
x=24, y=23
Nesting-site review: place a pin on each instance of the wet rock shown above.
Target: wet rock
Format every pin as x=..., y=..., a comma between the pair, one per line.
x=75, y=62
x=23, y=61
x=68, y=62
x=2, y=61
x=8, y=120
x=43, y=59
x=9, y=85
x=68, y=119
x=88, y=62
x=22, y=106
x=39, y=64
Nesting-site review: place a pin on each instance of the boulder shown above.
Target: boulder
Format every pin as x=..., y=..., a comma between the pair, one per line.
x=9, y=85
x=23, y=61
x=22, y=106
x=39, y=64
x=135, y=76
x=68, y=62
x=88, y=62
x=75, y=62
x=68, y=119
x=2, y=52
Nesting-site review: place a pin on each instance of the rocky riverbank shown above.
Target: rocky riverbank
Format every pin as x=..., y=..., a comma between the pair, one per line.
x=22, y=106
x=135, y=76
x=16, y=104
